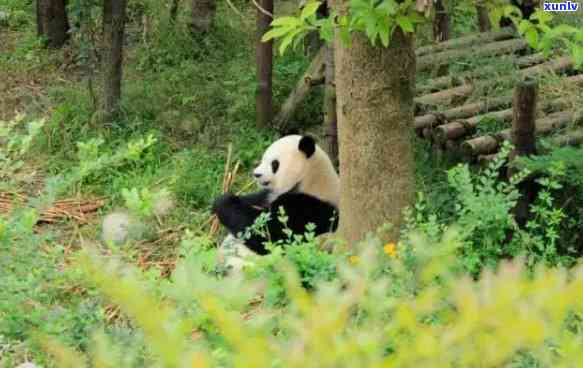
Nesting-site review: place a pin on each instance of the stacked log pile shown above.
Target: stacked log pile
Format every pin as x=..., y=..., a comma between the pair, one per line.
x=450, y=123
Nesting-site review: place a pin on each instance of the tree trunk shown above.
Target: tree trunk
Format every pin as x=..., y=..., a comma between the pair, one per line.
x=483, y=19
x=114, y=14
x=313, y=76
x=330, y=115
x=441, y=30
x=203, y=13
x=174, y=10
x=52, y=21
x=375, y=88
x=264, y=61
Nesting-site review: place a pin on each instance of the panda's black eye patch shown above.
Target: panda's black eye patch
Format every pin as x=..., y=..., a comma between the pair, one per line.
x=274, y=166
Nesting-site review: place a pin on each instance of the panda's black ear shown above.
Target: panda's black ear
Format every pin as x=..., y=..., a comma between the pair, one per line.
x=307, y=145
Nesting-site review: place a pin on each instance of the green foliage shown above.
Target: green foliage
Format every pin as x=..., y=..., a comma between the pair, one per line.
x=409, y=310
x=483, y=210
x=16, y=144
x=142, y=203
x=539, y=31
x=378, y=20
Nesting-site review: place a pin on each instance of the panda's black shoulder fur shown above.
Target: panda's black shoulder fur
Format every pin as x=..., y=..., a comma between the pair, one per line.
x=237, y=213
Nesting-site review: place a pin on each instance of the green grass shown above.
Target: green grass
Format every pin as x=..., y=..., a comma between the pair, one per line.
x=196, y=96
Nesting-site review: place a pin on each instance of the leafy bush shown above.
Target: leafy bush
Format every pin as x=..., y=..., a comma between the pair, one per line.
x=406, y=308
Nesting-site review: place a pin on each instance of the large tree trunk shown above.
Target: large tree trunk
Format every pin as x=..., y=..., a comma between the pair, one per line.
x=264, y=61
x=375, y=88
x=52, y=21
x=203, y=13
x=114, y=14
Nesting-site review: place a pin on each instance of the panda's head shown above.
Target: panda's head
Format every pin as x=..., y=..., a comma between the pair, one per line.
x=283, y=164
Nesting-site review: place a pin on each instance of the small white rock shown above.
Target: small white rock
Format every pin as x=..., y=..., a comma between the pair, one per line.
x=27, y=365
x=119, y=227
x=235, y=254
x=163, y=205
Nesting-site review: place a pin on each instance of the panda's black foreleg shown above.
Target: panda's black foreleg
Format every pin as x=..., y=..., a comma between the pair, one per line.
x=238, y=213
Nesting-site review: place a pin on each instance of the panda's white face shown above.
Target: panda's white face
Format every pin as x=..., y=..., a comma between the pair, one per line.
x=282, y=166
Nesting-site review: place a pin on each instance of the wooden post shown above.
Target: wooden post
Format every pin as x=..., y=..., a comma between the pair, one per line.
x=264, y=61
x=524, y=141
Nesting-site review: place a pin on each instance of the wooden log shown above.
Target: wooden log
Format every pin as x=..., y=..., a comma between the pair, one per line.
x=433, y=119
x=495, y=48
x=488, y=144
x=449, y=81
x=445, y=96
x=462, y=42
x=315, y=72
x=484, y=160
x=448, y=95
x=573, y=138
x=530, y=60
x=460, y=128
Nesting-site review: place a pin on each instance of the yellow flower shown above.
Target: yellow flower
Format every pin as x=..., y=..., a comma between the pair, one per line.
x=353, y=259
x=390, y=249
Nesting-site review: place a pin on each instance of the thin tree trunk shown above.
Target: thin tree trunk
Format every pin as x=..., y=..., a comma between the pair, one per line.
x=114, y=13
x=330, y=115
x=203, y=14
x=264, y=62
x=174, y=10
x=375, y=88
x=52, y=21
x=441, y=31
x=483, y=19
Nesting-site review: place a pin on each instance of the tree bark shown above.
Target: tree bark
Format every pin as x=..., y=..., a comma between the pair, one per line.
x=203, y=14
x=330, y=115
x=313, y=75
x=264, y=62
x=483, y=19
x=114, y=14
x=375, y=88
x=52, y=21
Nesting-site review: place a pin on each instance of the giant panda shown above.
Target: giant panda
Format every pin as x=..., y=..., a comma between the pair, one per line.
x=296, y=174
